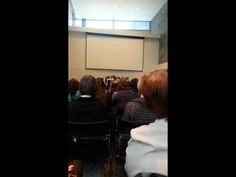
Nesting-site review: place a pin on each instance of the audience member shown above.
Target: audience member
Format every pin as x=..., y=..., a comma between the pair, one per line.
x=101, y=90
x=87, y=107
x=123, y=96
x=136, y=110
x=147, y=149
x=73, y=89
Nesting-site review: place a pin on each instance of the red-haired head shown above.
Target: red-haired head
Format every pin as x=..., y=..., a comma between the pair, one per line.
x=155, y=92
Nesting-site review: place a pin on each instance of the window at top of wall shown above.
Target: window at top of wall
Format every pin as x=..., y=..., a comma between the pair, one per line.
x=99, y=24
x=124, y=25
x=141, y=25
x=70, y=22
x=106, y=24
x=78, y=23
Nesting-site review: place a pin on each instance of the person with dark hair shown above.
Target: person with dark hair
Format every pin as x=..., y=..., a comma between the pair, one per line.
x=136, y=110
x=88, y=86
x=120, y=99
x=147, y=149
x=87, y=108
x=133, y=84
x=73, y=89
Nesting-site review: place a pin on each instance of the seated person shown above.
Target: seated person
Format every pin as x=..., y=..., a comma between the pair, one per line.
x=87, y=108
x=73, y=89
x=147, y=149
x=136, y=110
x=120, y=98
x=101, y=90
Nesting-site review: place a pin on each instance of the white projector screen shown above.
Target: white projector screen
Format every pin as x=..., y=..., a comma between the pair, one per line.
x=114, y=52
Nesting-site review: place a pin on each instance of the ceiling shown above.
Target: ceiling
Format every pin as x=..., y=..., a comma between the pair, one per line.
x=134, y=10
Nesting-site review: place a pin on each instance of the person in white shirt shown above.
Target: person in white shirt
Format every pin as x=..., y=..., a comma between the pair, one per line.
x=147, y=149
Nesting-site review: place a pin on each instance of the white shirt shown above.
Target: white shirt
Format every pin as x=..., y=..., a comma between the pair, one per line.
x=147, y=149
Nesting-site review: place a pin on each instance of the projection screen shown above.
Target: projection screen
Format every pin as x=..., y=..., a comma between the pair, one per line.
x=114, y=52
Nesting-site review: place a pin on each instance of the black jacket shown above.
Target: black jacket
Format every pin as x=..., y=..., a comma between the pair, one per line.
x=87, y=110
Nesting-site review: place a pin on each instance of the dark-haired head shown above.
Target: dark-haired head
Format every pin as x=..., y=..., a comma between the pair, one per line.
x=87, y=85
x=133, y=84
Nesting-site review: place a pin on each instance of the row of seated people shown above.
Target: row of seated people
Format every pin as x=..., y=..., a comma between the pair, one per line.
x=125, y=98
x=145, y=100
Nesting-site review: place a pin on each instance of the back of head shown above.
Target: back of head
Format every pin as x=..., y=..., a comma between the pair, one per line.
x=133, y=84
x=155, y=92
x=140, y=83
x=100, y=83
x=87, y=85
x=122, y=85
x=101, y=90
x=73, y=86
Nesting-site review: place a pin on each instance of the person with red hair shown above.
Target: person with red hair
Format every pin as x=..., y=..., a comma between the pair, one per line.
x=147, y=149
x=73, y=89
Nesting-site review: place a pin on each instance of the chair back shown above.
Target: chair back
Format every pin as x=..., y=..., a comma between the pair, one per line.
x=157, y=175
x=151, y=175
x=124, y=137
x=126, y=126
x=89, y=129
x=89, y=140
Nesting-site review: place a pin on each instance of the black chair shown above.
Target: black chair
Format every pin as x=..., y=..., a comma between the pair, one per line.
x=125, y=127
x=116, y=117
x=151, y=175
x=90, y=141
x=157, y=175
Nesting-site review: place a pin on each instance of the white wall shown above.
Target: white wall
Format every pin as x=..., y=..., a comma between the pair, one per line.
x=77, y=51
